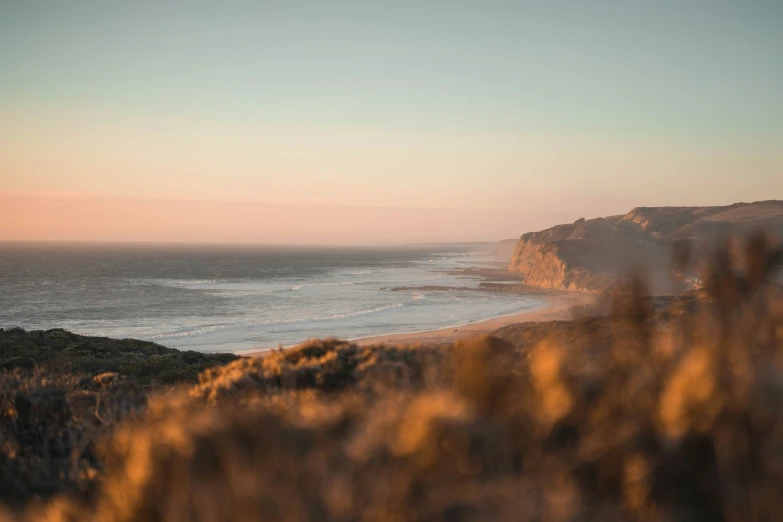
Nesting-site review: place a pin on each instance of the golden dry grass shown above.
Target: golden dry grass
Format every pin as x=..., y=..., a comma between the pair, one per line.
x=643, y=416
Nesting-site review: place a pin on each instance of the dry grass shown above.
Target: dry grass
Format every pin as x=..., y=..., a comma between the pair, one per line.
x=649, y=415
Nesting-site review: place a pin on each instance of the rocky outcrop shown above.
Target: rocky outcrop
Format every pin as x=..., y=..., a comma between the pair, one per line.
x=594, y=255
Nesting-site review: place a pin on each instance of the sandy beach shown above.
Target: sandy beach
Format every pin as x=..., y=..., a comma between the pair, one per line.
x=556, y=307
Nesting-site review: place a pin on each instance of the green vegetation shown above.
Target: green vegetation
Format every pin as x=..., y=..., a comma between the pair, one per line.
x=60, y=392
x=144, y=362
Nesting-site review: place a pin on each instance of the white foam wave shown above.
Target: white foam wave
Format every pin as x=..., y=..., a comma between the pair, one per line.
x=180, y=283
x=190, y=332
x=341, y=283
x=332, y=317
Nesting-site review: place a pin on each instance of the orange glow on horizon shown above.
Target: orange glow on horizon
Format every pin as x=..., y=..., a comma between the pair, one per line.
x=89, y=218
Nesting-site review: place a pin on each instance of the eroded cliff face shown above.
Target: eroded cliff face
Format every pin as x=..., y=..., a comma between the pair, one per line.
x=595, y=255
x=540, y=263
x=574, y=265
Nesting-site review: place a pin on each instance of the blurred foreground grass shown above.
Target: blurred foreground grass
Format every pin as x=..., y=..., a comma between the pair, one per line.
x=665, y=410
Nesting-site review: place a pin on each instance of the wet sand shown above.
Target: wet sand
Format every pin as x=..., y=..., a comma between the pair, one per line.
x=556, y=307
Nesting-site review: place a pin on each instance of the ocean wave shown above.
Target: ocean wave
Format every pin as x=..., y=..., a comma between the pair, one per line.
x=179, y=283
x=303, y=285
x=199, y=330
x=331, y=317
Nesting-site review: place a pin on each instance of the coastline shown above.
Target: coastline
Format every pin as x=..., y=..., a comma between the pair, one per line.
x=556, y=307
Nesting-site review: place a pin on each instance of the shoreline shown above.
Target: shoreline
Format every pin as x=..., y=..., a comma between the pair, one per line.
x=558, y=306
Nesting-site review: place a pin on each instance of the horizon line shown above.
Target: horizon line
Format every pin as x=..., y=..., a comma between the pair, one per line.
x=241, y=243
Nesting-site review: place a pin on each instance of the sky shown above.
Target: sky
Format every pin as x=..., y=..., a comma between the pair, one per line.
x=358, y=122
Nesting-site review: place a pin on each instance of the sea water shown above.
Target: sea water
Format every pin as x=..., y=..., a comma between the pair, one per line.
x=240, y=298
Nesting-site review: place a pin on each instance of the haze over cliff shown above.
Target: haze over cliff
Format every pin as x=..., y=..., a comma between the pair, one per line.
x=593, y=255
x=505, y=248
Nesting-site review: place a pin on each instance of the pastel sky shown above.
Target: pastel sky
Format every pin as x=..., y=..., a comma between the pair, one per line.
x=355, y=121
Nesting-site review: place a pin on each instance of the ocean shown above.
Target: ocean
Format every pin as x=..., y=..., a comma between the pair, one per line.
x=244, y=298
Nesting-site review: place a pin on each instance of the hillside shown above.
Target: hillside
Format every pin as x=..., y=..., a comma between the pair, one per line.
x=594, y=255
x=147, y=363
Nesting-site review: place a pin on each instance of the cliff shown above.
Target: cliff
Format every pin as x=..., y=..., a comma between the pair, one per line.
x=593, y=255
